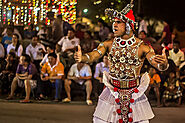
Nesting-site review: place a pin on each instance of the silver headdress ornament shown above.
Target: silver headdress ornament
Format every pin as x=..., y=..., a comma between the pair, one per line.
x=123, y=15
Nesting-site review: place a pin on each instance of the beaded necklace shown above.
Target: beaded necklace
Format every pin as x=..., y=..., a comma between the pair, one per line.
x=124, y=59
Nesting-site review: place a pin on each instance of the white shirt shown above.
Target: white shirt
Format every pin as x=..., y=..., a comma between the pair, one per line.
x=34, y=52
x=18, y=52
x=176, y=57
x=2, y=53
x=143, y=26
x=84, y=72
x=68, y=44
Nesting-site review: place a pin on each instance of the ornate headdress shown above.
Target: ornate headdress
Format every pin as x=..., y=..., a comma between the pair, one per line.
x=126, y=15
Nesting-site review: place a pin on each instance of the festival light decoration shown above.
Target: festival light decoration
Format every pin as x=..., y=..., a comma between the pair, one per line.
x=34, y=11
x=1, y=10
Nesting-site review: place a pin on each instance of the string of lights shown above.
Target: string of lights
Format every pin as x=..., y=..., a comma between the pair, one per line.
x=33, y=11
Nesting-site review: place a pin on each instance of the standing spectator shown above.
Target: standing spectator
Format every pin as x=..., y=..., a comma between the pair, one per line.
x=98, y=75
x=26, y=75
x=8, y=71
x=35, y=51
x=7, y=39
x=79, y=73
x=15, y=46
x=59, y=28
x=166, y=35
x=69, y=42
x=154, y=83
x=53, y=71
x=2, y=52
x=104, y=30
x=176, y=54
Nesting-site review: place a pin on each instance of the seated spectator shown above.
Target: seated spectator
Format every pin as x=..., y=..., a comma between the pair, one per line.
x=142, y=36
x=79, y=33
x=172, y=90
x=182, y=79
x=60, y=56
x=98, y=75
x=15, y=46
x=104, y=30
x=110, y=36
x=154, y=83
x=29, y=33
x=7, y=39
x=79, y=73
x=68, y=45
x=2, y=52
x=8, y=72
x=53, y=72
x=13, y=30
x=176, y=54
x=69, y=42
x=35, y=50
x=88, y=44
x=26, y=75
x=49, y=49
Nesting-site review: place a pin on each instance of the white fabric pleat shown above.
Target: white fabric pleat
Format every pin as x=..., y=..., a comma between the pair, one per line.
x=106, y=107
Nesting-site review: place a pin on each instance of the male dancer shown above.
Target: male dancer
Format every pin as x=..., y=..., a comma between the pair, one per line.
x=123, y=99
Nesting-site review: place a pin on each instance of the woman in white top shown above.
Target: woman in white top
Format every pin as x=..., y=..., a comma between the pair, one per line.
x=15, y=46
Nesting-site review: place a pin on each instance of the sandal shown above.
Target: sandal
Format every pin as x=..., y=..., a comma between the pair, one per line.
x=9, y=98
x=66, y=100
x=89, y=102
x=25, y=101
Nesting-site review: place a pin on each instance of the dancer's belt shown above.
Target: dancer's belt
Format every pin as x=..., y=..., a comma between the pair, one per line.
x=121, y=84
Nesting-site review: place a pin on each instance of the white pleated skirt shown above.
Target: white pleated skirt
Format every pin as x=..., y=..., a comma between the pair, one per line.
x=106, y=107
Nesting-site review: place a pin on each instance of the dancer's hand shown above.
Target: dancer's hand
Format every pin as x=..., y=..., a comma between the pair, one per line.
x=78, y=54
x=161, y=59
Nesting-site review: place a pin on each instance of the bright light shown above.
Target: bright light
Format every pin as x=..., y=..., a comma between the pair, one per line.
x=85, y=10
x=103, y=18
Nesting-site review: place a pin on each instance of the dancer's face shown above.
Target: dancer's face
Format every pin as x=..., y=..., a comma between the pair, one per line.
x=118, y=27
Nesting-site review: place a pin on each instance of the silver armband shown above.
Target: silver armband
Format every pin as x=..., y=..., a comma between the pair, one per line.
x=151, y=58
x=101, y=44
x=98, y=51
x=159, y=67
x=88, y=57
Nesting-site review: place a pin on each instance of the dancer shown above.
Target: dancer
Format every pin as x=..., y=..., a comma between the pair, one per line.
x=123, y=99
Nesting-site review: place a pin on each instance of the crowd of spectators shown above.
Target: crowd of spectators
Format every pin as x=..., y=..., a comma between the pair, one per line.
x=47, y=65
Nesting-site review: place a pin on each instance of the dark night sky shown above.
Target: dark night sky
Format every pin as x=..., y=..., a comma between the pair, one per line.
x=170, y=10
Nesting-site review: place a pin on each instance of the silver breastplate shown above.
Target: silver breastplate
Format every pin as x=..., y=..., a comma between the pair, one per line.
x=123, y=59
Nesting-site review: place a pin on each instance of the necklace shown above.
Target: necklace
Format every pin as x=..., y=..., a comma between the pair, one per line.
x=125, y=43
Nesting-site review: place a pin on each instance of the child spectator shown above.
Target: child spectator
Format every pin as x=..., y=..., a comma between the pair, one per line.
x=172, y=90
x=154, y=83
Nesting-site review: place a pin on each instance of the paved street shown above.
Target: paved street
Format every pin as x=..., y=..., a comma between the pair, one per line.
x=76, y=112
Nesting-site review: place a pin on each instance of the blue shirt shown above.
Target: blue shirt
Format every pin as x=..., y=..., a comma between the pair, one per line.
x=6, y=38
x=100, y=68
